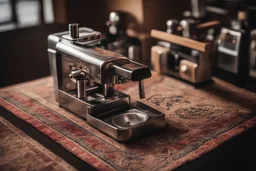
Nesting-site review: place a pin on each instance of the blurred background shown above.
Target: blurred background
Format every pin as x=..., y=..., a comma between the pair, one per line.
x=25, y=25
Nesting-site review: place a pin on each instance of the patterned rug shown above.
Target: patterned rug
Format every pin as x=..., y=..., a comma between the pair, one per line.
x=20, y=152
x=198, y=120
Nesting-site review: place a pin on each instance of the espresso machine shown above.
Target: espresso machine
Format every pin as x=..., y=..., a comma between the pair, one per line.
x=180, y=54
x=84, y=84
x=253, y=55
x=118, y=41
x=233, y=51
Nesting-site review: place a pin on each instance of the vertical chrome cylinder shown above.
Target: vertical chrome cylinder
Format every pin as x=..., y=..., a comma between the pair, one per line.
x=188, y=27
x=81, y=88
x=74, y=30
x=198, y=8
x=141, y=89
x=108, y=89
x=115, y=79
x=105, y=89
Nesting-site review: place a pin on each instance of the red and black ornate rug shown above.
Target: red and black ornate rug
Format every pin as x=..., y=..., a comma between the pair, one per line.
x=198, y=120
x=18, y=151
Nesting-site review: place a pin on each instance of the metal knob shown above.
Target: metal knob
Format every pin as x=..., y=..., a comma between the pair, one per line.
x=184, y=68
x=74, y=30
x=188, y=27
x=172, y=26
x=114, y=17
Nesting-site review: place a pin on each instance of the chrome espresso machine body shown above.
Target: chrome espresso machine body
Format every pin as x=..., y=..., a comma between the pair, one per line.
x=84, y=79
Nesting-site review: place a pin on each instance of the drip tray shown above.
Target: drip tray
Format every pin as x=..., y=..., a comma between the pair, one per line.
x=129, y=119
x=128, y=123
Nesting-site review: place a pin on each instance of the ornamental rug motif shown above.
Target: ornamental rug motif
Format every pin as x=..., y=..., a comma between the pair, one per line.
x=198, y=120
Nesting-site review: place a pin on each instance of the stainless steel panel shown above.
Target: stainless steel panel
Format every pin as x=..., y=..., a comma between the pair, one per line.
x=53, y=70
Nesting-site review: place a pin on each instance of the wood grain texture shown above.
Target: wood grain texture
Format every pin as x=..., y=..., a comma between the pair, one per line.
x=200, y=46
x=207, y=25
